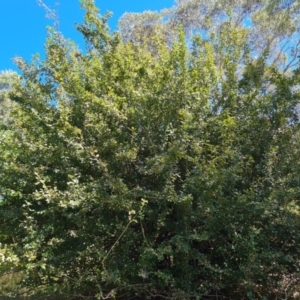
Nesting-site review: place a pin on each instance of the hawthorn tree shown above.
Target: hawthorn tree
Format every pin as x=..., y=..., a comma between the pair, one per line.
x=154, y=168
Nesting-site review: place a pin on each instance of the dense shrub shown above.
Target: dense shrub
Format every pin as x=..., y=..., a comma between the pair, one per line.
x=158, y=170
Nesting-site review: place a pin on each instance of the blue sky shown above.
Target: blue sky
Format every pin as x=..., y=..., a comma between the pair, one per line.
x=23, y=23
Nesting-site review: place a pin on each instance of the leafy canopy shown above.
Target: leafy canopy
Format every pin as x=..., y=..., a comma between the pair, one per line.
x=152, y=168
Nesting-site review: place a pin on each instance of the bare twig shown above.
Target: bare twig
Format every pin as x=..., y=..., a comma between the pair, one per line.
x=116, y=242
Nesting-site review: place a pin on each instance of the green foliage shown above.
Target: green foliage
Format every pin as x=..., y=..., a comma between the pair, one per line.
x=152, y=170
x=272, y=25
